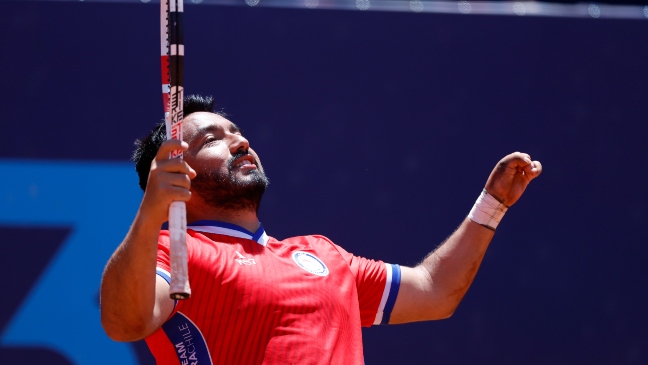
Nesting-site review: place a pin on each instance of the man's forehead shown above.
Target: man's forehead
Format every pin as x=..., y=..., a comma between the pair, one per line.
x=199, y=123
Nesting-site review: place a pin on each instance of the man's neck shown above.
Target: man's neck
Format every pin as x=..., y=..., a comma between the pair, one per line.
x=242, y=218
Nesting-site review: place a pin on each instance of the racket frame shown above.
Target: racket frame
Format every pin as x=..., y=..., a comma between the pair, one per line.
x=172, y=62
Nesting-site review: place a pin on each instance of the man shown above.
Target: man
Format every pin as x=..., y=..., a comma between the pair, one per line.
x=257, y=300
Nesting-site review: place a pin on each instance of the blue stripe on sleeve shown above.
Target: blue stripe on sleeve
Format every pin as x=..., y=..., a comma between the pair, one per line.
x=164, y=276
x=393, y=293
x=167, y=278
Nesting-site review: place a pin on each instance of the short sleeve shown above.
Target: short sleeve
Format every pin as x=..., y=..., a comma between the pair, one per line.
x=377, y=284
x=163, y=267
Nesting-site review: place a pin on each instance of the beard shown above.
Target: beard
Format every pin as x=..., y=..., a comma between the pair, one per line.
x=226, y=191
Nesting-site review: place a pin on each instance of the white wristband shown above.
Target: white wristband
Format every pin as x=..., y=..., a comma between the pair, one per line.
x=487, y=211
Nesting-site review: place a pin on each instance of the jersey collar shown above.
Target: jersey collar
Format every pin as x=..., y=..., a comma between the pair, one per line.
x=229, y=229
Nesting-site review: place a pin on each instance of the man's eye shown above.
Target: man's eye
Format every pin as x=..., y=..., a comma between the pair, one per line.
x=209, y=140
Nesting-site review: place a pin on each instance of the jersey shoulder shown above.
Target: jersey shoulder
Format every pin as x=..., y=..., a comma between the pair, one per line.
x=314, y=241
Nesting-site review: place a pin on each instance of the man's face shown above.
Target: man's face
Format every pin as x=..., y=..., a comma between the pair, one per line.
x=230, y=175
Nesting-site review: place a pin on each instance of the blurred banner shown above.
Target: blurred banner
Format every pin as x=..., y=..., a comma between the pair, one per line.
x=68, y=217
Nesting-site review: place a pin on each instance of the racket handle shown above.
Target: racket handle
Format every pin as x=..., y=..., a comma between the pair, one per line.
x=178, y=234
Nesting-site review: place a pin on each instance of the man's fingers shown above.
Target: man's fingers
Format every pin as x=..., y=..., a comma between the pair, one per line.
x=169, y=146
x=175, y=165
x=517, y=159
x=523, y=162
x=178, y=194
x=164, y=163
x=179, y=180
x=169, y=180
x=165, y=194
x=510, y=177
x=533, y=169
x=172, y=174
x=171, y=184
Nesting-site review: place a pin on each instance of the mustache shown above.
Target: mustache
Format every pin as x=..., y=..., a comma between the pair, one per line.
x=237, y=155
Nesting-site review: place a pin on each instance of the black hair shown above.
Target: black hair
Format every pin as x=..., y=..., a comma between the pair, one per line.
x=147, y=147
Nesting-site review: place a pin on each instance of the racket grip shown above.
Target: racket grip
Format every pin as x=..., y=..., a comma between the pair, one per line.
x=178, y=234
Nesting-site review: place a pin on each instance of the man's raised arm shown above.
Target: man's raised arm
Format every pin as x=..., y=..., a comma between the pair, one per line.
x=434, y=288
x=134, y=300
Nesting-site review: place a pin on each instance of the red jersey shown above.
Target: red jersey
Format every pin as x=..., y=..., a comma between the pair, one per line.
x=257, y=300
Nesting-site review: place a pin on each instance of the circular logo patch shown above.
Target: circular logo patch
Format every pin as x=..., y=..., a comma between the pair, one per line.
x=310, y=263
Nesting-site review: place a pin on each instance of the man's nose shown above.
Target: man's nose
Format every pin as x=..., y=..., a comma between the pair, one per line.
x=238, y=143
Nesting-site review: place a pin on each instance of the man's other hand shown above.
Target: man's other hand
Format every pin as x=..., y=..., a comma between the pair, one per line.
x=510, y=177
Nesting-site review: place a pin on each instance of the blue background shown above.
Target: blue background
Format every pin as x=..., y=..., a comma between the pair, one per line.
x=376, y=129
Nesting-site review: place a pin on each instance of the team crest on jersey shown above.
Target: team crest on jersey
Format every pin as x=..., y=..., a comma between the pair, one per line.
x=310, y=263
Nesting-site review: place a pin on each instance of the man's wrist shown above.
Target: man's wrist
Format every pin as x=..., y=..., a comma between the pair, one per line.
x=487, y=211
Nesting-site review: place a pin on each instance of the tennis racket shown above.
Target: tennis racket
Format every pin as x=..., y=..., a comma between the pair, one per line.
x=172, y=42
